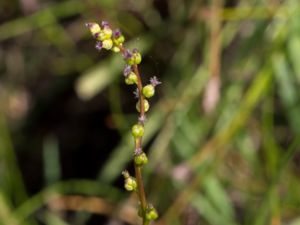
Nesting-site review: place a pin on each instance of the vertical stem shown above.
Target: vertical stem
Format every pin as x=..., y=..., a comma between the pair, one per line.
x=138, y=144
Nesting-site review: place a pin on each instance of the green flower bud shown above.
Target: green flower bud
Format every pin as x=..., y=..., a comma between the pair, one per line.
x=130, y=61
x=115, y=49
x=141, y=159
x=94, y=28
x=104, y=34
x=148, y=91
x=137, y=58
x=119, y=40
x=146, y=105
x=130, y=184
x=137, y=130
x=131, y=78
x=107, y=44
x=151, y=213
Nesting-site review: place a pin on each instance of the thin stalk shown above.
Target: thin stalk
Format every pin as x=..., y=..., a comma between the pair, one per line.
x=138, y=145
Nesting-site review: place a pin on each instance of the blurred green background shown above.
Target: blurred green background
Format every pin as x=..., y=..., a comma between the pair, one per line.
x=223, y=132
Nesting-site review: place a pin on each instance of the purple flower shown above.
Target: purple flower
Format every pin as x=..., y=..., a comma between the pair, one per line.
x=127, y=54
x=96, y=35
x=98, y=45
x=138, y=151
x=117, y=33
x=136, y=93
x=154, y=81
x=127, y=70
x=105, y=24
x=142, y=119
x=135, y=50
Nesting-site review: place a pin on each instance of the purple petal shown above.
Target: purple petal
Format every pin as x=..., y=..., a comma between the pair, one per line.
x=98, y=45
x=127, y=54
x=138, y=151
x=142, y=119
x=117, y=33
x=136, y=93
x=135, y=50
x=105, y=23
x=154, y=81
x=127, y=70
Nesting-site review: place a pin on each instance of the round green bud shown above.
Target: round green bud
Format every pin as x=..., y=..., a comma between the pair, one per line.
x=130, y=61
x=141, y=159
x=137, y=58
x=148, y=91
x=151, y=214
x=130, y=184
x=146, y=105
x=119, y=40
x=137, y=130
x=107, y=44
x=115, y=49
x=131, y=79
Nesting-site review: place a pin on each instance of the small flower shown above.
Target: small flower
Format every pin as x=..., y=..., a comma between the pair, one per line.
x=105, y=24
x=138, y=151
x=118, y=37
x=127, y=54
x=117, y=33
x=98, y=45
x=136, y=93
x=127, y=70
x=154, y=81
x=142, y=119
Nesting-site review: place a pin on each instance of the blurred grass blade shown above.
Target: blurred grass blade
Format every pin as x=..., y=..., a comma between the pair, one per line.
x=287, y=90
x=51, y=160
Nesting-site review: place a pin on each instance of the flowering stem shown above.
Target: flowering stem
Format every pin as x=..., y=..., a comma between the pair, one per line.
x=113, y=40
x=138, y=145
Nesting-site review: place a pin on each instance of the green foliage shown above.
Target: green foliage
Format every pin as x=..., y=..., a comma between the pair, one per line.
x=236, y=164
